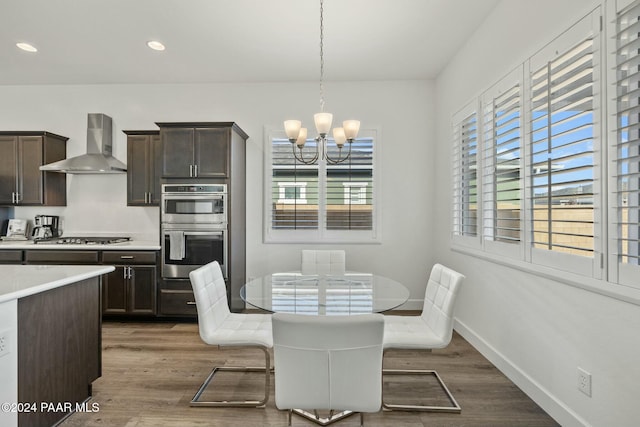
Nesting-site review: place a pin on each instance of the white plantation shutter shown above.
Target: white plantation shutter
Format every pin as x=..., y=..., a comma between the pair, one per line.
x=503, y=165
x=563, y=145
x=465, y=172
x=349, y=195
x=627, y=146
x=294, y=190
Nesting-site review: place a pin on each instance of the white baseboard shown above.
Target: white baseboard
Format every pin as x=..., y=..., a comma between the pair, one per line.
x=564, y=415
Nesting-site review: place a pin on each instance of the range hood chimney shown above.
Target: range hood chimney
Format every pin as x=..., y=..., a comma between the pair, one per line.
x=98, y=158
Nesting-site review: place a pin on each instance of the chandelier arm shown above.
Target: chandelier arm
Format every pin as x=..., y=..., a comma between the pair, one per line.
x=339, y=159
x=300, y=157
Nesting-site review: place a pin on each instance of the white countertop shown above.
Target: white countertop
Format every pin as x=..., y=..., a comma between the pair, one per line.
x=131, y=245
x=19, y=281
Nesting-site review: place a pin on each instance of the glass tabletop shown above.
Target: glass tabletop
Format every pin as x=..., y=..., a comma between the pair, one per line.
x=351, y=293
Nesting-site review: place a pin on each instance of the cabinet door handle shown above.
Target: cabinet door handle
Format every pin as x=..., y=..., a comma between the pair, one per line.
x=130, y=272
x=196, y=170
x=126, y=256
x=150, y=197
x=13, y=197
x=124, y=273
x=191, y=170
x=191, y=303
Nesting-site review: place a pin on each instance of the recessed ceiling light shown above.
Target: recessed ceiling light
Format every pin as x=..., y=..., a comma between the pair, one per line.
x=155, y=45
x=27, y=47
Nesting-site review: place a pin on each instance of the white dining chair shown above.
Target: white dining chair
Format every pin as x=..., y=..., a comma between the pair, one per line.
x=323, y=262
x=328, y=363
x=218, y=326
x=433, y=329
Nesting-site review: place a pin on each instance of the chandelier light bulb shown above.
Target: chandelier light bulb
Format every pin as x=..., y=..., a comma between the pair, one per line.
x=323, y=122
x=302, y=137
x=292, y=129
x=351, y=128
x=339, y=137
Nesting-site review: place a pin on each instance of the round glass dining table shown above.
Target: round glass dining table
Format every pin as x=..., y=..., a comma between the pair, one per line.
x=350, y=293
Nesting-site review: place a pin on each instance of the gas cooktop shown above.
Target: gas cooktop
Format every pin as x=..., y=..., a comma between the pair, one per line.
x=83, y=240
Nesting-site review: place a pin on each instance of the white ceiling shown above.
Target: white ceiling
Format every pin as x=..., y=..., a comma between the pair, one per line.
x=104, y=41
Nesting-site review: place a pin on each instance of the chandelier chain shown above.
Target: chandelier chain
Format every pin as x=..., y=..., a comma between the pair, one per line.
x=321, y=56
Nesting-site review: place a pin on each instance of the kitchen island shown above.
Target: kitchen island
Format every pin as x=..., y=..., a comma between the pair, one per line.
x=50, y=341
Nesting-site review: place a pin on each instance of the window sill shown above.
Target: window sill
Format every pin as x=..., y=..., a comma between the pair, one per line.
x=602, y=287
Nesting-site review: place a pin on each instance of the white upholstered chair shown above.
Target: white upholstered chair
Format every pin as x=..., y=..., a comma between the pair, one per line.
x=218, y=326
x=328, y=363
x=323, y=261
x=433, y=329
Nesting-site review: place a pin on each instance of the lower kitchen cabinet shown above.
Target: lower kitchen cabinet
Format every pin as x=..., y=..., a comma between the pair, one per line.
x=176, y=299
x=130, y=289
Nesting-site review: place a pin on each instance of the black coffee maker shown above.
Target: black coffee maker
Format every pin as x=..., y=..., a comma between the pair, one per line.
x=46, y=226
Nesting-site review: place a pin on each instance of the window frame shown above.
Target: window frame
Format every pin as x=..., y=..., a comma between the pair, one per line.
x=322, y=234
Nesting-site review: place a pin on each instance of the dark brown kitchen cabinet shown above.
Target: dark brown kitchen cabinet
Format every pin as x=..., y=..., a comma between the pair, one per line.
x=21, y=180
x=71, y=257
x=197, y=150
x=176, y=299
x=11, y=256
x=144, y=160
x=131, y=288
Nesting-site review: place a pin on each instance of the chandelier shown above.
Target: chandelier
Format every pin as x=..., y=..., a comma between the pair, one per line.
x=297, y=135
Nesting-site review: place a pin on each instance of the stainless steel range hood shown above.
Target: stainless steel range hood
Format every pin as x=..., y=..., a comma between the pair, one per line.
x=98, y=158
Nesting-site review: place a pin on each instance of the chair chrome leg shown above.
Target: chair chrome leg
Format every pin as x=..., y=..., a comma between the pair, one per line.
x=323, y=421
x=237, y=403
x=454, y=408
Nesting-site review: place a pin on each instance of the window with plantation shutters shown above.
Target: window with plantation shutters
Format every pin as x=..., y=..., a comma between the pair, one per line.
x=465, y=173
x=563, y=144
x=502, y=164
x=627, y=146
x=321, y=202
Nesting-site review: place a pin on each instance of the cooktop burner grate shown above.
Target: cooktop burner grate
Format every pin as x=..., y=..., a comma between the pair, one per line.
x=83, y=240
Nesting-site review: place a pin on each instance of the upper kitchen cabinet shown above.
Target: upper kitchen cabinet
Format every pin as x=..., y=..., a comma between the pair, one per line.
x=198, y=150
x=144, y=163
x=21, y=180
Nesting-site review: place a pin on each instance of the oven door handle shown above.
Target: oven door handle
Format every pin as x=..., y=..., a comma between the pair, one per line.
x=219, y=233
x=216, y=196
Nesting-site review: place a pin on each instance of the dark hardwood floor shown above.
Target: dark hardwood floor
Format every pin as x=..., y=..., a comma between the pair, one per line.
x=152, y=370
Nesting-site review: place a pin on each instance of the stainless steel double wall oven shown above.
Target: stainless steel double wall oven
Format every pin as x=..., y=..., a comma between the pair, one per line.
x=193, y=228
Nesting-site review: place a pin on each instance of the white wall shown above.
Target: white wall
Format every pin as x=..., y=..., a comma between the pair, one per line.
x=537, y=330
x=97, y=203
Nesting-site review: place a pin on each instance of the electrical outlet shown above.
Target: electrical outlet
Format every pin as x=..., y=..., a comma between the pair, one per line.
x=584, y=381
x=4, y=343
